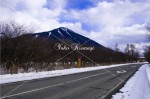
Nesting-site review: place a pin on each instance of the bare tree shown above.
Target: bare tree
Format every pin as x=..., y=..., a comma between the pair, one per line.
x=127, y=48
x=10, y=44
x=12, y=29
x=132, y=51
x=116, y=48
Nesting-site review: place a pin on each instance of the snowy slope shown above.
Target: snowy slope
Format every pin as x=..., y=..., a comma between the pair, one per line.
x=36, y=75
x=138, y=87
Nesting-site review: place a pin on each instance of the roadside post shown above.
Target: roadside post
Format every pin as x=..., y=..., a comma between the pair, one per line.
x=79, y=62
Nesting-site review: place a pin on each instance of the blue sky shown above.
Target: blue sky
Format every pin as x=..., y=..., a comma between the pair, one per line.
x=79, y=4
x=106, y=21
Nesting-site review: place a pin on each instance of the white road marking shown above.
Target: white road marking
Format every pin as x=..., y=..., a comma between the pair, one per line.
x=103, y=97
x=52, y=85
x=121, y=71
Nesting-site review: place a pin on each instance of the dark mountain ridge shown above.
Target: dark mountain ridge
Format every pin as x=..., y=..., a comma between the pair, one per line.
x=67, y=34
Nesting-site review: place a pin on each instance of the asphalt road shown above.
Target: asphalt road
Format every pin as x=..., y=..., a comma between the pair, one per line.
x=88, y=85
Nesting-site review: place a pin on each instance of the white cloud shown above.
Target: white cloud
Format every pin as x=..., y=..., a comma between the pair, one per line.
x=33, y=13
x=110, y=13
x=116, y=22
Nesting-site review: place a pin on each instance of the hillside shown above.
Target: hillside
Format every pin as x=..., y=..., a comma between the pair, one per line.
x=55, y=49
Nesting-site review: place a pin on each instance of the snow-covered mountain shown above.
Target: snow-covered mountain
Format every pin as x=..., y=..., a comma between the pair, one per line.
x=67, y=34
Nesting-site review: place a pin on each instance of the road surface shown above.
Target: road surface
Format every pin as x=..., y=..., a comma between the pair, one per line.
x=88, y=85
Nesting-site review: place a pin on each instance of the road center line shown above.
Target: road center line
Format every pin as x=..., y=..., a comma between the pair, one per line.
x=53, y=85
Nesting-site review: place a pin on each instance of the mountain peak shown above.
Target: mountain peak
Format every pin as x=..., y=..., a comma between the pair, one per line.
x=67, y=34
x=63, y=28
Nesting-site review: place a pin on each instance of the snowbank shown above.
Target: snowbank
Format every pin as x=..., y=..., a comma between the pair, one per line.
x=138, y=86
x=36, y=75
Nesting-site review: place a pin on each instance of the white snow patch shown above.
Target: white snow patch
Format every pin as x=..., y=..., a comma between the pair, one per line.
x=137, y=87
x=67, y=32
x=148, y=72
x=36, y=36
x=60, y=33
x=49, y=34
x=36, y=75
x=63, y=29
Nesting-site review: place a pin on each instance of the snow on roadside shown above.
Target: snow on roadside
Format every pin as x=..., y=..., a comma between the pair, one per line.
x=137, y=87
x=8, y=78
x=148, y=72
